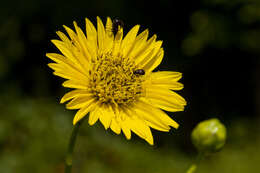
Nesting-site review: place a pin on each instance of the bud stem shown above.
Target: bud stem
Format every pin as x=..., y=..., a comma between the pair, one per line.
x=194, y=166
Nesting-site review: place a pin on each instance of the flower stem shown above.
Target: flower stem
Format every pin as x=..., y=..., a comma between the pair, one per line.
x=73, y=137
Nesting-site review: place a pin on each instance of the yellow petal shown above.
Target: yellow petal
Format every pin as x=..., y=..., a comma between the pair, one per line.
x=115, y=126
x=77, y=55
x=93, y=116
x=125, y=128
x=139, y=43
x=65, y=75
x=167, y=75
x=166, y=79
x=165, y=99
x=171, y=95
x=91, y=37
x=129, y=39
x=64, y=49
x=159, y=114
x=166, y=105
x=63, y=37
x=170, y=85
x=106, y=115
x=109, y=27
x=147, y=113
x=117, y=42
x=60, y=59
x=84, y=45
x=148, y=56
x=75, y=93
x=109, y=36
x=68, y=71
x=72, y=35
x=60, y=74
x=79, y=102
x=139, y=127
x=74, y=39
x=83, y=111
x=101, y=34
x=75, y=84
x=154, y=62
x=146, y=48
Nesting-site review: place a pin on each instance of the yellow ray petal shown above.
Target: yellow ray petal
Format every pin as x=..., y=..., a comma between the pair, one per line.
x=146, y=112
x=91, y=37
x=146, y=49
x=167, y=75
x=106, y=115
x=79, y=56
x=115, y=127
x=79, y=102
x=74, y=38
x=109, y=27
x=139, y=127
x=84, y=44
x=72, y=35
x=93, y=116
x=148, y=56
x=170, y=85
x=154, y=62
x=60, y=59
x=159, y=114
x=60, y=73
x=109, y=40
x=166, y=105
x=165, y=99
x=63, y=37
x=83, y=111
x=101, y=34
x=75, y=84
x=64, y=49
x=166, y=80
x=169, y=93
x=129, y=39
x=117, y=42
x=68, y=71
x=75, y=93
x=125, y=127
x=139, y=43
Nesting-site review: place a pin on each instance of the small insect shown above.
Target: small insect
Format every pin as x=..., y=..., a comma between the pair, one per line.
x=116, y=23
x=139, y=72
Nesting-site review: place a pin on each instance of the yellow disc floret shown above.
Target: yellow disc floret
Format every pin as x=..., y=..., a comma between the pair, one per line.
x=112, y=80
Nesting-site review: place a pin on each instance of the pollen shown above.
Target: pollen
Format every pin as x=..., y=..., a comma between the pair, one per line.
x=112, y=80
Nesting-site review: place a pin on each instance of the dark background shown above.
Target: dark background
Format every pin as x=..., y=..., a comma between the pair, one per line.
x=215, y=44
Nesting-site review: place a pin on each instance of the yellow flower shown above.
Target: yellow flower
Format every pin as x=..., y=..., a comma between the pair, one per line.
x=113, y=80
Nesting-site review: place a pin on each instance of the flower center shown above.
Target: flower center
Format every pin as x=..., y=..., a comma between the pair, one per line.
x=112, y=80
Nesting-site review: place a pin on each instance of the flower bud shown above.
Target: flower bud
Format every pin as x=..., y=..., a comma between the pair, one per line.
x=209, y=136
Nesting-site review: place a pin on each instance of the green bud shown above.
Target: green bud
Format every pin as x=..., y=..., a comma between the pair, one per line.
x=209, y=136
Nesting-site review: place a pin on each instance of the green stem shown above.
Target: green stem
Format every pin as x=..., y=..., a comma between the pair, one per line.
x=194, y=166
x=73, y=137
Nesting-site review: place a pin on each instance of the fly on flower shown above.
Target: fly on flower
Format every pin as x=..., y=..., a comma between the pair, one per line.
x=101, y=68
x=117, y=23
x=139, y=72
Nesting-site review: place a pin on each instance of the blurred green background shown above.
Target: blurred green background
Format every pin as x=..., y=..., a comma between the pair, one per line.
x=214, y=43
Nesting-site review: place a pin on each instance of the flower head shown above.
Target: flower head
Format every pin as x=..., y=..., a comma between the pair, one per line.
x=113, y=80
